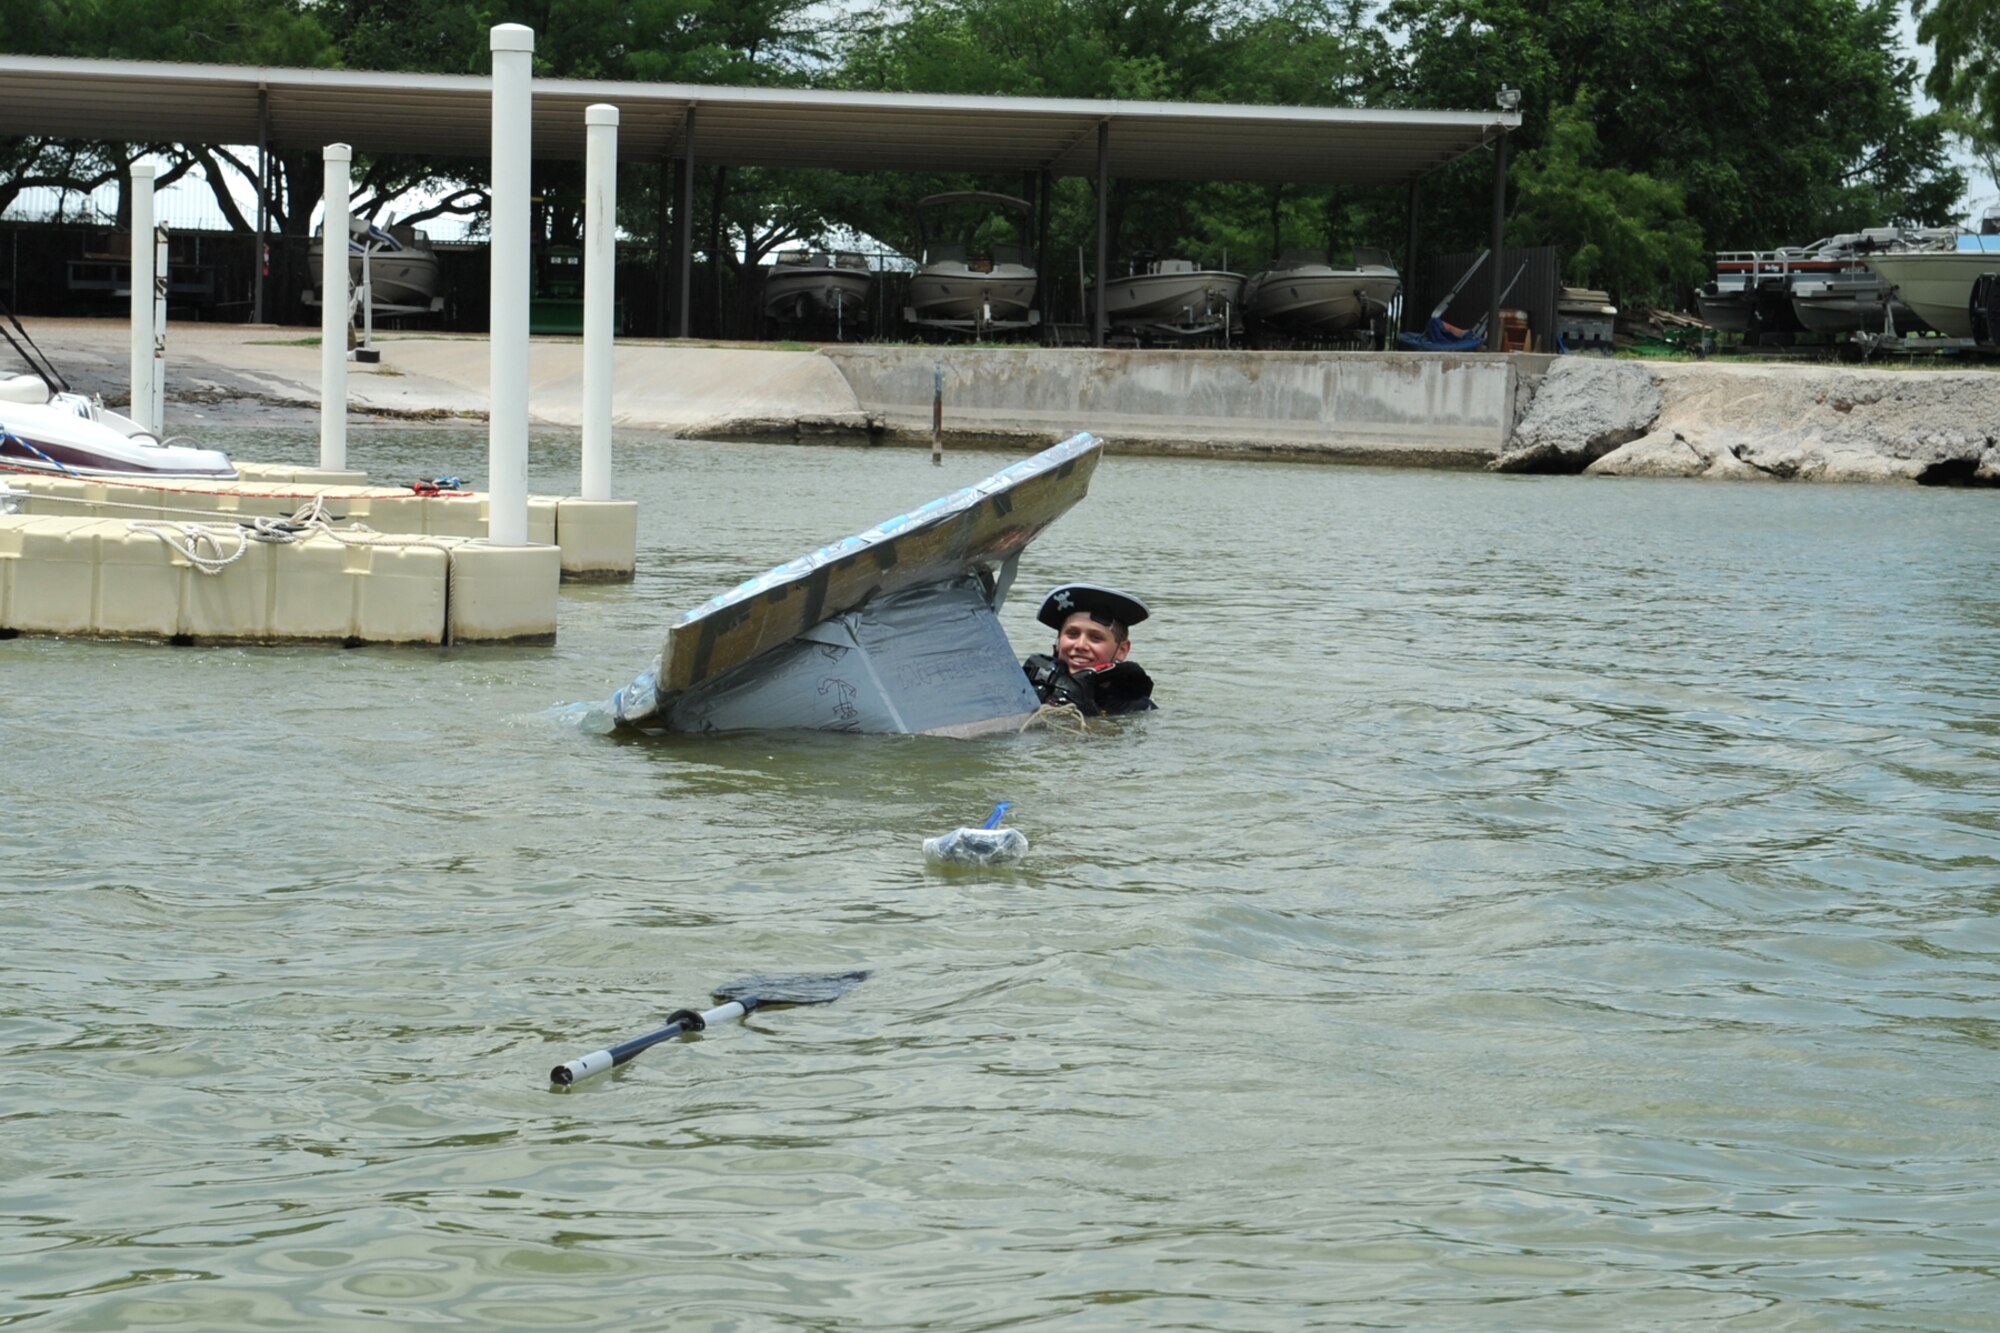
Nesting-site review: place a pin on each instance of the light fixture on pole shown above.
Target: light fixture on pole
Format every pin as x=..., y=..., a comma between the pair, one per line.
x=1508, y=98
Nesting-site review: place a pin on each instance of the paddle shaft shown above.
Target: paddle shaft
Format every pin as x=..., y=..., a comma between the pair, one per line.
x=684, y=1021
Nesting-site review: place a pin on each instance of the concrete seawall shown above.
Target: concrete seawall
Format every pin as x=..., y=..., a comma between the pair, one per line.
x=1433, y=410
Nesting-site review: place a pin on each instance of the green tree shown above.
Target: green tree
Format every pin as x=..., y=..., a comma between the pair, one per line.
x=1154, y=49
x=1306, y=52
x=245, y=32
x=744, y=212
x=1964, y=36
x=1781, y=120
x=1621, y=230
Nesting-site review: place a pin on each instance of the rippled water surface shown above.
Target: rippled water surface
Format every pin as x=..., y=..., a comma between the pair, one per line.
x=1541, y=904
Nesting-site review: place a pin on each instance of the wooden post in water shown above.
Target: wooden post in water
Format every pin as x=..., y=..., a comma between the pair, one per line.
x=937, y=414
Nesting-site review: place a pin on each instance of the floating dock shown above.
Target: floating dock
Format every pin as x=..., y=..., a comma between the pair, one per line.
x=597, y=539
x=231, y=583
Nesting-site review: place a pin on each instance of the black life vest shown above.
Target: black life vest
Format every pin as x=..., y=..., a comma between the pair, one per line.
x=1122, y=687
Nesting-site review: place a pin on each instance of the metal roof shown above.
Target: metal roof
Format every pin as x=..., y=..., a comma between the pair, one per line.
x=447, y=116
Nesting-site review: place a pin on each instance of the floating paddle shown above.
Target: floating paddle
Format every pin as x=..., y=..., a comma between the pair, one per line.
x=742, y=997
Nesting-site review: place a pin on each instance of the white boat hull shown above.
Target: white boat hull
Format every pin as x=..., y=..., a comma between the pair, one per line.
x=1937, y=284
x=809, y=295
x=68, y=435
x=403, y=271
x=1851, y=305
x=402, y=282
x=1186, y=303
x=957, y=296
x=1319, y=299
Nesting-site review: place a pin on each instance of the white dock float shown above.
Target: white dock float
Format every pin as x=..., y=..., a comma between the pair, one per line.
x=598, y=539
x=116, y=578
x=266, y=473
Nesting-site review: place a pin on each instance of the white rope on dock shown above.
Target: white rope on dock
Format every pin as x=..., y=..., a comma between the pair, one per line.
x=189, y=539
x=195, y=540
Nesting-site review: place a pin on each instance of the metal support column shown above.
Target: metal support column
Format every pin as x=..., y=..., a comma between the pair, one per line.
x=663, y=265
x=263, y=205
x=145, y=319
x=1098, y=312
x=684, y=228
x=1494, y=333
x=1410, y=287
x=336, y=162
x=1044, y=187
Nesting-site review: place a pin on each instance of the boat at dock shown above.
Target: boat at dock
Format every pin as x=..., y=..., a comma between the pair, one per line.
x=1304, y=296
x=962, y=286
x=48, y=430
x=1171, y=300
x=54, y=432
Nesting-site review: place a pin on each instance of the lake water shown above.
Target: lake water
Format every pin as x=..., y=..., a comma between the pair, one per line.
x=1541, y=904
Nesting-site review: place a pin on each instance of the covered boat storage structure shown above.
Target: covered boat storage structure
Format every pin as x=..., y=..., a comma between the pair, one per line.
x=685, y=125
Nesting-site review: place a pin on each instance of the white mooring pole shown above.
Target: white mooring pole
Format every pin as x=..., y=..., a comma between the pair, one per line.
x=333, y=310
x=600, y=266
x=507, y=428
x=144, y=256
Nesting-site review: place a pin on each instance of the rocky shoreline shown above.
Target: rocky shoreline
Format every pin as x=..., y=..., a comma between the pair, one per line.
x=1713, y=419
x=1758, y=422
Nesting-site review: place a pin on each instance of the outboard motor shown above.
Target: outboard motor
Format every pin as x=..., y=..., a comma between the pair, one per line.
x=1986, y=309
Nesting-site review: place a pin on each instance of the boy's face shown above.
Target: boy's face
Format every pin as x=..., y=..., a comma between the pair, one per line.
x=1083, y=643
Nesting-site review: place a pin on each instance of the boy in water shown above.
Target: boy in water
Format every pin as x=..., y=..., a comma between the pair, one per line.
x=1088, y=666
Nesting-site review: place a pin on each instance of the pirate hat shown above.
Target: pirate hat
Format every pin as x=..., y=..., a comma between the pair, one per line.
x=1104, y=605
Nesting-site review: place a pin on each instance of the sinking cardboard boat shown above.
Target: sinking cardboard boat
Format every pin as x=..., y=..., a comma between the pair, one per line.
x=890, y=630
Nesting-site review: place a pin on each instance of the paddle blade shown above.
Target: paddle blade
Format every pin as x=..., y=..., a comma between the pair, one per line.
x=791, y=987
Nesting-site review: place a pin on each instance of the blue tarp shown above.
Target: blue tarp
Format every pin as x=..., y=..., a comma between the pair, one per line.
x=1439, y=338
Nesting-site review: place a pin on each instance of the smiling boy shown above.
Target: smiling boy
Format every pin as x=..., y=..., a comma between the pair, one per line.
x=1089, y=665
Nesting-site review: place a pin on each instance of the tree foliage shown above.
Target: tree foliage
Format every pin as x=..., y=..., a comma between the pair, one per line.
x=1651, y=132
x=1623, y=230
x=1964, y=36
x=1779, y=120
